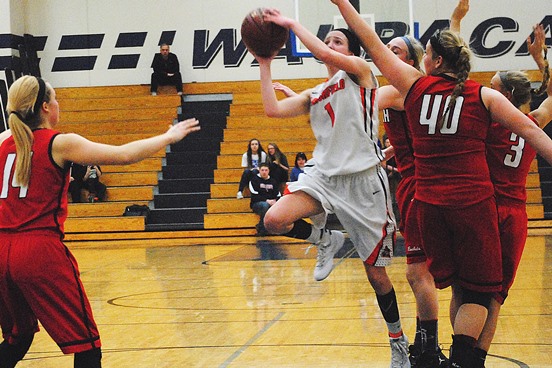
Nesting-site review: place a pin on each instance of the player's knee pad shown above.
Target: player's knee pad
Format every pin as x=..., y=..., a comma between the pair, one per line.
x=89, y=359
x=10, y=354
x=476, y=297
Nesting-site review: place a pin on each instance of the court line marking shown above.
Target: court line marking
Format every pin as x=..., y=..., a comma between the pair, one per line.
x=250, y=342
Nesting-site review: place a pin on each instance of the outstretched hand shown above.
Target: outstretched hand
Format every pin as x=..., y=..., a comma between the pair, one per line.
x=536, y=46
x=273, y=15
x=178, y=131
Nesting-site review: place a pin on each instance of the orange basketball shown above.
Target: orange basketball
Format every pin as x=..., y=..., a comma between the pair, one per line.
x=264, y=39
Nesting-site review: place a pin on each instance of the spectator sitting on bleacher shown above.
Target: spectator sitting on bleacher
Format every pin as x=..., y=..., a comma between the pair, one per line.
x=251, y=160
x=279, y=167
x=166, y=70
x=264, y=193
x=300, y=161
x=87, y=177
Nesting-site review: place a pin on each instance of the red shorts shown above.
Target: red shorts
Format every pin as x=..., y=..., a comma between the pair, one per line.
x=463, y=245
x=39, y=280
x=512, y=223
x=409, y=226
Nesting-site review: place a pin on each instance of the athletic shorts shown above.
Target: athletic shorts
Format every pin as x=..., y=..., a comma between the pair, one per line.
x=409, y=226
x=512, y=224
x=39, y=280
x=362, y=204
x=462, y=245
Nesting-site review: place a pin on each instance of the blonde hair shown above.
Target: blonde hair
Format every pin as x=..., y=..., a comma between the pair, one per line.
x=518, y=84
x=456, y=59
x=25, y=98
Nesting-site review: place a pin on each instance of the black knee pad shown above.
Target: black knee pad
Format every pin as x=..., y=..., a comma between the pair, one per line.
x=89, y=359
x=11, y=354
x=476, y=297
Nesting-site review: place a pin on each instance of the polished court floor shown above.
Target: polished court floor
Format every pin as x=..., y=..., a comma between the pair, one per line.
x=256, y=304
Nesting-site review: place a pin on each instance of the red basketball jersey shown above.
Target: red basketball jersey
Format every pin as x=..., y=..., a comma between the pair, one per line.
x=43, y=204
x=509, y=159
x=450, y=163
x=396, y=128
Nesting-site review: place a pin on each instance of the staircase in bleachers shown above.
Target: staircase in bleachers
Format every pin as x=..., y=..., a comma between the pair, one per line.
x=180, y=202
x=116, y=115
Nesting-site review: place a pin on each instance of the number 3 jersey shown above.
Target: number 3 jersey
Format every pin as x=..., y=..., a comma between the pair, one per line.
x=43, y=204
x=509, y=159
x=344, y=119
x=450, y=164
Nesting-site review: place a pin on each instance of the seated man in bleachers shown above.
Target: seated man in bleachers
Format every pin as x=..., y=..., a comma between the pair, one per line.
x=166, y=70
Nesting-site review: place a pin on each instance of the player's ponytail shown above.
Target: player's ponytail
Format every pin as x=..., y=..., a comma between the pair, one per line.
x=456, y=59
x=25, y=99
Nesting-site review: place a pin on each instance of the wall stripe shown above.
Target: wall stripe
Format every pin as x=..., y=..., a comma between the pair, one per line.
x=124, y=61
x=73, y=63
x=10, y=41
x=167, y=37
x=131, y=39
x=79, y=42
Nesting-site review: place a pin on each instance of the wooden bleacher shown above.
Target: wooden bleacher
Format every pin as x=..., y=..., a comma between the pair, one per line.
x=110, y=115
x=116, y=115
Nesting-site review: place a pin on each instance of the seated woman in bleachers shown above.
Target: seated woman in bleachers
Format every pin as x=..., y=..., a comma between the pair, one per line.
x=300, y=161
x=251, y=160
x=278, y=164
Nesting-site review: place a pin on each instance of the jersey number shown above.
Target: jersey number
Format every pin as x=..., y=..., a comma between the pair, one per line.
x=330, y=111
x=6, y=179
x=513, y=159
x=429, y=114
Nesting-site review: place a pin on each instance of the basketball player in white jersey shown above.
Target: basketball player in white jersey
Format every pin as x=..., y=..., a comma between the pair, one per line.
x=346, y=177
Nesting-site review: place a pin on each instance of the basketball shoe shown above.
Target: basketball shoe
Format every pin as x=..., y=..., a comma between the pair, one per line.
x=432, y=359
x=399, y=352
x=330, y=243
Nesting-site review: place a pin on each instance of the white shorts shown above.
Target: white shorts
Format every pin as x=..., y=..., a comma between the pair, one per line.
x=361, y=202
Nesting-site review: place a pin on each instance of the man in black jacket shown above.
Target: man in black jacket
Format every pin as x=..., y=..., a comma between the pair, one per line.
x=264, y=193
x=166, y=70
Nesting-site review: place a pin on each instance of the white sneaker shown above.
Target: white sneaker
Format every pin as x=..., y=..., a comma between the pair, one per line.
x=332, y=241
x=399, y=352
x=179, y=93
x=239, y=195
x=154, y=93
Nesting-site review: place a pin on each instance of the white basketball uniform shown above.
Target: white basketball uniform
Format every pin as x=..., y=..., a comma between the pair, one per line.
x=345, y=173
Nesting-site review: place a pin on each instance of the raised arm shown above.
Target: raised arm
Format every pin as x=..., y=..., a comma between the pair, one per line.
x=74, y=148
x=288, y=107
x=543, y=113
x=398, y=73
x=537, y=46
x=458, y=14
x=351, y=64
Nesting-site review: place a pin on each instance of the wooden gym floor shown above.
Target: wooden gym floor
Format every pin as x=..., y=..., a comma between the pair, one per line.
x=254, y=303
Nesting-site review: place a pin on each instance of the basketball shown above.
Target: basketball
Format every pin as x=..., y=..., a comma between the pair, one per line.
x=264, y=39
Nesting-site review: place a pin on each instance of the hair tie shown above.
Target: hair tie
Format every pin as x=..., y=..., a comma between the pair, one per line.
x=411, y=52
x=18, y=115
x=40, y=95
x=505, y=82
